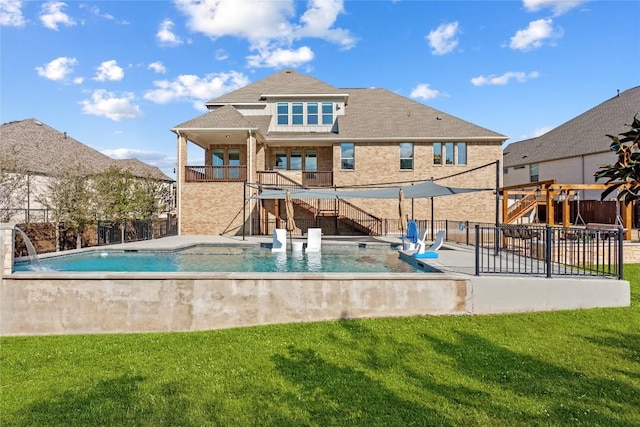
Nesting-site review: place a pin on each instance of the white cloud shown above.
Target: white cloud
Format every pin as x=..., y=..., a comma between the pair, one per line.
x=166, y=36
x=534, y=35
x=96, y=11
x=504, y=79
x=272, y=29
x=443, y=39
x=195, y=89
x=558, y=7
x=318, y=19
x=11, y=13
x=423, y=91
x=540, y=131
x=109, y=71
x=58, y=69
x=51, y=15
x=280, y=58
x=221, y=55
x=128, y=153
x=158, y=67
x=107, y=104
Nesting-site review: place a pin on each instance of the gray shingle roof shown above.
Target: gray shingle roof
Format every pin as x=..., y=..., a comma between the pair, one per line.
x=283, y=82
x=41, y=149
x=584, y=134
x=369, y=113
x=379, y=113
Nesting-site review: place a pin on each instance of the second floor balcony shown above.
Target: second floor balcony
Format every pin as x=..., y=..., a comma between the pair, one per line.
x=215, y=173
x=268, y=177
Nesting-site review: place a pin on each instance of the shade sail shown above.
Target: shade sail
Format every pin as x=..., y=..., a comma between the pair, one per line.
x=421, y=190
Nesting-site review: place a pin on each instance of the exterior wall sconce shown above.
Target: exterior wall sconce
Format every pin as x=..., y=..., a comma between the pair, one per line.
x=538, y=192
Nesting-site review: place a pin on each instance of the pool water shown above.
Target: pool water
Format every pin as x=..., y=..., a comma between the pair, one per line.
x=332, y=259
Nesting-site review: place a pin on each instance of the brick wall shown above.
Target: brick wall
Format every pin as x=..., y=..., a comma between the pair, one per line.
x=212, y=208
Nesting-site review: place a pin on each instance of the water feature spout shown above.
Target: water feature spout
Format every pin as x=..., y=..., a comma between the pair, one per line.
x=33, y=256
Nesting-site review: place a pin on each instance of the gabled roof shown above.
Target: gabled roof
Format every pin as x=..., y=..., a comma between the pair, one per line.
x=582, y=135
x=368, y=113
x=41, y=149
x=226, y=117
x=284, y=82
x=379, y=113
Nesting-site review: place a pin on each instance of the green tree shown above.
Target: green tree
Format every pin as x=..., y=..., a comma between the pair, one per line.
x=123, y=197
x=624, y=175
x=69, y=195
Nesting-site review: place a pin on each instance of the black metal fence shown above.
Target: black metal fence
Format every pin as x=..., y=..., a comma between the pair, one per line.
x=549, y=251
x=111, y=232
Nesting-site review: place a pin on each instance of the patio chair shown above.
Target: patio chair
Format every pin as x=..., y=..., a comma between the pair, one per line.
x=314, y=239
x=431, y=251
x=409, y=241
x=279, y=240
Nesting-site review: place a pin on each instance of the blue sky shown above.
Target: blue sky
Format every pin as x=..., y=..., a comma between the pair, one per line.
x=118, y=75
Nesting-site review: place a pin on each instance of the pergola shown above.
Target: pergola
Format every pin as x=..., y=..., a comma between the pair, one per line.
x=549, y=190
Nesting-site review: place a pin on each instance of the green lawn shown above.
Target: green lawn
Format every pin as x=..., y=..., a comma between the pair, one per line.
x=542, y=369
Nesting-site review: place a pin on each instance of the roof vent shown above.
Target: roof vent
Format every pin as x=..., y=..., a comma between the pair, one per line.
x=37, y=122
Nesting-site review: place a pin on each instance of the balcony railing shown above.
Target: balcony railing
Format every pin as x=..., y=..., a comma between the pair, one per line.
x=309, y=179
x=215, y=173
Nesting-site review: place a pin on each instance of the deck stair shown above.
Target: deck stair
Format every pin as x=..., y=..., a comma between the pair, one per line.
x=345, y=212
x=522, y=207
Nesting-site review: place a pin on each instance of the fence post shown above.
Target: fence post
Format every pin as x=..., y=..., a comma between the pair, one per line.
x=547, y=250
x=620, y=254
x=466, y=227
x=477, y=250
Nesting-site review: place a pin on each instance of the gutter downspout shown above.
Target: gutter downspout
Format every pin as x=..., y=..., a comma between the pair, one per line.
x=179, y=169
x=251, y=167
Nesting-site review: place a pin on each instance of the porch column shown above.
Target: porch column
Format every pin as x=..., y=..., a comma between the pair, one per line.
x=180, y=178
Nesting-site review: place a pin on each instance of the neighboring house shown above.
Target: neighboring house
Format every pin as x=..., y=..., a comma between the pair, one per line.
x=574, y=151
x=38, y=152
x=291, y=130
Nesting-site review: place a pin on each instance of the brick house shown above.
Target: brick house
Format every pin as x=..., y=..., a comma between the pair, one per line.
x=292, y=130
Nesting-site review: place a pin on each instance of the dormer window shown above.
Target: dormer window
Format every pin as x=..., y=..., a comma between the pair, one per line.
x=327, y=113
x=312, y=113
x=305, y=113
x=297, y=117
x=283, y=113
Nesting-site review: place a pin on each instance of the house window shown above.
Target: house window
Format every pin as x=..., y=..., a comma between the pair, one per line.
x=226, y=163
x=406, y=155
x=297, y=113
x=327, y=113
x=461, y=147
x=217, y=161
x=234, y=163
x=312, y=113
x=347, y=156
x=448, y=150
x=310, y=160
x=283, y=113
x=533, y=173
x=505, y=171
x=437, y=153
x=281, y=160
x=295, y=160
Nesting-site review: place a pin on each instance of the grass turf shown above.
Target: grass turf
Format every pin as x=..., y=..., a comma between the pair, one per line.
x=539, y=369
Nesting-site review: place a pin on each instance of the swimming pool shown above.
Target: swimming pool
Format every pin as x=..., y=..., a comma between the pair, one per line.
x=207, y=258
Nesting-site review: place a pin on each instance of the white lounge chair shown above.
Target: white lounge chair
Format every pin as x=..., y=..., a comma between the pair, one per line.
x=314, y=239
x=279, y=240
x=431, y=251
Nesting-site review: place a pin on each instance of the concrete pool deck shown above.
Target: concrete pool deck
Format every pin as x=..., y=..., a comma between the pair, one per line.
x=40, y=303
